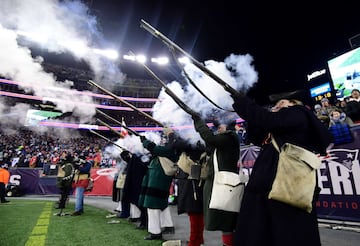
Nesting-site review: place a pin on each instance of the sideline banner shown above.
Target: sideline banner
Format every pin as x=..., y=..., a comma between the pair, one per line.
x=339, y=180
x=32, y=183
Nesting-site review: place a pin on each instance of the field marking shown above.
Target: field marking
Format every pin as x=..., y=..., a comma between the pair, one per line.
x=39, y=232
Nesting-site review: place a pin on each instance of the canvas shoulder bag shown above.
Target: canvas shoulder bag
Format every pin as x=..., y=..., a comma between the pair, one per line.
x=194, y=169
x=295, y=178
x=227, y=190
x=169, y=167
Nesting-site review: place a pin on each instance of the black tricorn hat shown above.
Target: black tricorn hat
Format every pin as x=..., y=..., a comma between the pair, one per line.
x=300, y=95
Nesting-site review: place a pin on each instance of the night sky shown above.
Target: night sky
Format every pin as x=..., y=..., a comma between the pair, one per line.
x=287, y=41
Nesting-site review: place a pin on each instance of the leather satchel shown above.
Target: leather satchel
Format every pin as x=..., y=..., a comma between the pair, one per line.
x=295, y=178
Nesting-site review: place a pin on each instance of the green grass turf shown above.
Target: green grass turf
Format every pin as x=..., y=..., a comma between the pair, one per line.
x=23, y=220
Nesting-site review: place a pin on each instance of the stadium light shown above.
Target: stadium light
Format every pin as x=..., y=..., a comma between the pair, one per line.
x=129, y=57
x=111, y=54
x=78, y=47
x=141, y=58
x=138, y=58
x=160, y=60
x=184, y=60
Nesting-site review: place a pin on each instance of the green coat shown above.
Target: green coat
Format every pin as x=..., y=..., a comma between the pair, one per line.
x=156, y=184
x=228, y=153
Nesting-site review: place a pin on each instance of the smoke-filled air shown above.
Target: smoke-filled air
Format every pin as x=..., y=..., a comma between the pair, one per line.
x=68, y=26
x=236, y=70
x=58, y=27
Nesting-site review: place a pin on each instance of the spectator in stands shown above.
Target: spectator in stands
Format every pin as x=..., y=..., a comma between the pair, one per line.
x=343, y=104
x=4, y=180
x=339, y=117
x=321, y=115
x=352, y=109
x=241, y=132
x=324, y=112
x=340, y=127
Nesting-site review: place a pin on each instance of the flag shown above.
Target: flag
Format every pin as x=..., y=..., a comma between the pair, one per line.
x=123, y=131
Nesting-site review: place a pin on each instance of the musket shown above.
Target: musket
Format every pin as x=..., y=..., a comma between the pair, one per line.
x=103, y=137
x=198, y=64
x=169, y=91
x=110, y=128
x=124, y=102
x=118, y=122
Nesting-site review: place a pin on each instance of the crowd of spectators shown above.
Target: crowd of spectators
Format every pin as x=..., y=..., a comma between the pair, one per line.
x=29, y=149
x=340, y=117
x=348, y=108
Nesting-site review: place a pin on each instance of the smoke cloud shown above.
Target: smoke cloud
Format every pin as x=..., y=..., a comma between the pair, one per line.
x=58, y=27
x=62, y=26
x=236, y=70
x=67, y=26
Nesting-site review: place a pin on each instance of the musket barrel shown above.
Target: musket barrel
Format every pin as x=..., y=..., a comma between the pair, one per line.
x=103, y=137
x=124, y=102
x=117, y=122
x=170, y=92
x=108, y=126
x=198, y=64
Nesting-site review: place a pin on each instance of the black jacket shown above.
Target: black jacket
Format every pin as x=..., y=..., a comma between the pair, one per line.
x=262, y=221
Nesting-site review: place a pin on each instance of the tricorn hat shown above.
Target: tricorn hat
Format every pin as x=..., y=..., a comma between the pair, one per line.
x=300, y=95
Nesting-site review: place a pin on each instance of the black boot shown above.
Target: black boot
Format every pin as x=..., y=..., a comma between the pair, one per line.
x=153, y=236
x=168, y=230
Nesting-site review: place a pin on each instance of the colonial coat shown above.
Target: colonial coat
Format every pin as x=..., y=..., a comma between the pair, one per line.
x=156, y=184
x=228, y=152
x=263, y=221
x=136, y=170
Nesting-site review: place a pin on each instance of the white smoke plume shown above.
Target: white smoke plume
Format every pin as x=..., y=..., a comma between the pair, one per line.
x=237, y=71
x=61, y=26
x=15, y=115
x=133, y=144
x=17, y=63
x=58, y=26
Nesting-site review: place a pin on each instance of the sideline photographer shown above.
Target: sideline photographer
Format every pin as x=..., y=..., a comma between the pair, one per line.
x=80, y=182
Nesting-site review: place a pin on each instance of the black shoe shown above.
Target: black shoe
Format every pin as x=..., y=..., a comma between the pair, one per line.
x=153, y=236
x=134, y=219
x=76, y=213
x=168, y=230
x=124, y=216
x=6, y=201
x=141, y=227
